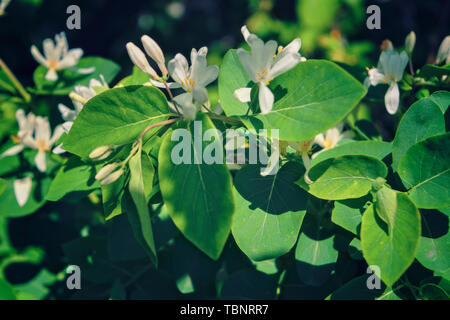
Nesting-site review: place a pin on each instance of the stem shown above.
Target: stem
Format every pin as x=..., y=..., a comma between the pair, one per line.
x=171, y=96
x=16, y=82
x=162, y=123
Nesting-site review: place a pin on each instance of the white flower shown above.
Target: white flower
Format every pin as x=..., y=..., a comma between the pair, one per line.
x=22, y=190
x=26, y=127
x=330, y=138
x=444, y=51
x=262, y=66
x=389, y=71
x=86, y=93
x=3, y=5
x=39, y=139
x=58, y=57
x=304, y=147
x=193, y=79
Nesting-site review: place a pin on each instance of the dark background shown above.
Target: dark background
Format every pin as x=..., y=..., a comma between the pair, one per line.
x=106, y=26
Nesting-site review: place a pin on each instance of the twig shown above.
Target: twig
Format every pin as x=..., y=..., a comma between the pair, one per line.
x=162, y=123
x=16, y=82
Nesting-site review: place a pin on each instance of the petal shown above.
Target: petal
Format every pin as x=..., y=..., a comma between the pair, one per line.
x=248, y=63
x=243, y=94
x=171, y=85
x=66, y=113
x=40, y=161
x=67, y=126
x=401, y=65
x=178, y=68
x=245, y=32
x=57, y=133
x=49, y=49
x=284, y=64
x=12, y=151
x=265, y=98
x=51, y=75
x=200, y=95
x=392, y=98
x=38, y=56
x=58, y=149
x=42, y=129
x=188, y=109
x=22, y=190
x=70, y=59
x=85, y=70
x=319, y=139
x=293, y=47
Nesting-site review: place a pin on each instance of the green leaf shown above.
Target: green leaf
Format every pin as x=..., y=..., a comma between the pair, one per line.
x=386, y=205
x=269, y=211
x=345, y=177
x=394, y=250
x=138, y=77
x=429, y=71
x=73, y=176
x=309, y=99
x=116, y=116
x=377, y=149
x=8, y=203
x=435, y=241
x=315, y=253
x=425, y=171
x=422, y=120
x=357, y=289
x=442, y=99
x=140, y=219
x=198, y=197
x=6, y=291
x=112, y=198
x=347, y=213
x=68, y=79
x=232, y=76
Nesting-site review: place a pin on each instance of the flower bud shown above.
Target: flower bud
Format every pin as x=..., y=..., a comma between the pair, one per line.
x=105, y=171
x=139, y=59
x=410, y=42
x=444, y=51
x=155, y=52
x=245, y=32
x=112, y=177
x=386, y=45
x=100, y=153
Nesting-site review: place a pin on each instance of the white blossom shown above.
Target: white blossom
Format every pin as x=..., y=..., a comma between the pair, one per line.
x=22, y=190
x=389, y=71
x=330, y=138
x=193, y=80
x=263, y=65
x=26, y=127
x=57, y=56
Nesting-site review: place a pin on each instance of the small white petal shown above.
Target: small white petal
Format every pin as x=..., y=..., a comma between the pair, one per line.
x=42, y=130
x=266, y=98
x=243, y=94
x=38, y=56
x=85, y=70
x=40, y=161
x=12, y=151
x=71, y=58
x=22, y=190
x=392, y=98
x=57, y=133
x=58, y=149
x=285, y=64
x=51, y=75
